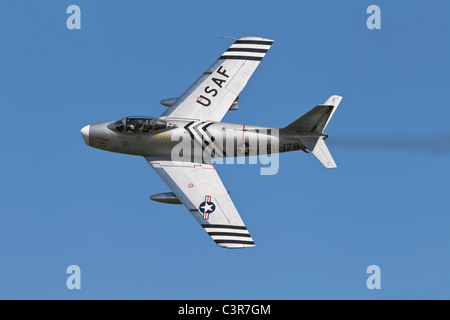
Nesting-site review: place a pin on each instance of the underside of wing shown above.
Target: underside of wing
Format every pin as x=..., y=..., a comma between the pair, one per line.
x=212, y=95
x=201, y=191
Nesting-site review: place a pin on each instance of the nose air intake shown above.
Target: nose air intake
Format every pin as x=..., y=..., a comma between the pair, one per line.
x=85, y=133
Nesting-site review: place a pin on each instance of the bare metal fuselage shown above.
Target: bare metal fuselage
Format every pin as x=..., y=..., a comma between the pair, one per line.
x=241, y=140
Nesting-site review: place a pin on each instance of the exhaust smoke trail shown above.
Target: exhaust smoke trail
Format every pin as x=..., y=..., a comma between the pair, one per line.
x=433, y=143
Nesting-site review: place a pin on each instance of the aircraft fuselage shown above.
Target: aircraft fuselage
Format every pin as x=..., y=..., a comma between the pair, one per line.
x=221, y=139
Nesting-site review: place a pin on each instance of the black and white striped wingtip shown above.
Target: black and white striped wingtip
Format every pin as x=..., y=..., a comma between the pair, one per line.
x=248, y=48
x=229, y=236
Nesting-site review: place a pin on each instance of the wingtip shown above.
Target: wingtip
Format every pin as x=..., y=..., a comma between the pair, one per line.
x=256, y=38
x=235, y=245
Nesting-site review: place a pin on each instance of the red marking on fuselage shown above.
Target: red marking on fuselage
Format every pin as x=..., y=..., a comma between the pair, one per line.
x=243, y=131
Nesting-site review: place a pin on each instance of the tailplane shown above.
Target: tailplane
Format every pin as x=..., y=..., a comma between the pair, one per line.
x=309, y=130
x=319, y=149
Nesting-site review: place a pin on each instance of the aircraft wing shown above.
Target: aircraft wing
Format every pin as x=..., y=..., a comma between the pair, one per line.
x=200, y=189
x=210, y=97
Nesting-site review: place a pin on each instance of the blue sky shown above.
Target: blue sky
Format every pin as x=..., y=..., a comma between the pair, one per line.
x=316, y=230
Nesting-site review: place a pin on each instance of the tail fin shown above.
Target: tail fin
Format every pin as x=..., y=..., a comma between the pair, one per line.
x=316, y=120
x=309, y=129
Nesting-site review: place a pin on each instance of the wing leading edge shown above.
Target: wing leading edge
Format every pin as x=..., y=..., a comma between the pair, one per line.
x=199, y=188
x=210, y=97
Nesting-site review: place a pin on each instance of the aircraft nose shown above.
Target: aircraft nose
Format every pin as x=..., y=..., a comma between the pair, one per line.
x=85, y=133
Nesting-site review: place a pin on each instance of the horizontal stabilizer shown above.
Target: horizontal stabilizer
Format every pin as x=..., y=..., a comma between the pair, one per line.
x=319, y=149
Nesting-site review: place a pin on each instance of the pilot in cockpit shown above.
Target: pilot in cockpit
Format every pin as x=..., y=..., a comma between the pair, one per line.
x=142, y=124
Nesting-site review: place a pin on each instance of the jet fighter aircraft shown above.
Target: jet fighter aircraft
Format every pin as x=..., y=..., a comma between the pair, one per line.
x=194, y=118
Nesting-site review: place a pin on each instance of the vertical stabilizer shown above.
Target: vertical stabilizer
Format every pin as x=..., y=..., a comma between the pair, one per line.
x=309, y=130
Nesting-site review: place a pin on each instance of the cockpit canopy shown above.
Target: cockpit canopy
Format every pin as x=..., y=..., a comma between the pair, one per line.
x=142, y=124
